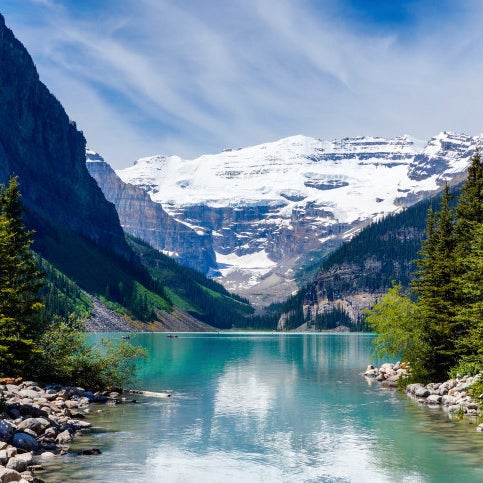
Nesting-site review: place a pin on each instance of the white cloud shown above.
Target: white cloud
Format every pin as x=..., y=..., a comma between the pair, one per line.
x=195, y=77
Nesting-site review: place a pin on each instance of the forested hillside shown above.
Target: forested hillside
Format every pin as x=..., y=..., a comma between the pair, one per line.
x=356, y=274
x=438, y=325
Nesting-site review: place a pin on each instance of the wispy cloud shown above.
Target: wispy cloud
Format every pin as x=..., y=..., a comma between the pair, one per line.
x=190, y=77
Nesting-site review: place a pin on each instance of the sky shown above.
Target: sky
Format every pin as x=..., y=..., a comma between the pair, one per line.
x=193, y=77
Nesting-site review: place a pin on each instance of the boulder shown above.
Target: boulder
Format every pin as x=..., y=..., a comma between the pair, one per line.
x=25, y=441
x=30, y=423
x=78, y=424
x=64, y=438
x=448, y=400
x=3, y=457
x=29, y=393
x=7, y=430
x=421, y=392
x=16, y=464
x=434, y=399
x=7, y=475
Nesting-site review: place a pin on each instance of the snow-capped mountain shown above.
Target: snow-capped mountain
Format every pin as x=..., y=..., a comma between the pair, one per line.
x=270, y=207
x=147, y=220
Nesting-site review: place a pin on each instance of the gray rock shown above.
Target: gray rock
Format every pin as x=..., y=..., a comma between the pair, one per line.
x=11, y=451
x=447, y=400
x=434, y=399
x=16, y=464
x=421, y=392
x=480, y=428
x=28, y=393
x=79, y=424
x=64, y=438
x=25, y=441
x=411, y=388
x=463, y=387
x=7, y=475
x=30, y=423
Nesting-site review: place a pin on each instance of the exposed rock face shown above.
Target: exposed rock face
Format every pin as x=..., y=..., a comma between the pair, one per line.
x=445, y=155
x=144, y=219
x=44, y=149
x=272, y=207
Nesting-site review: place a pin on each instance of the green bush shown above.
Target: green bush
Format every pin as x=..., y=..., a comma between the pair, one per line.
x=476, y=389
x=67, y=358
x=466, y=368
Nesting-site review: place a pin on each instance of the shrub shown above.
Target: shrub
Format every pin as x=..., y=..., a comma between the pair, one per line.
x=67, y=358
x=466, y=368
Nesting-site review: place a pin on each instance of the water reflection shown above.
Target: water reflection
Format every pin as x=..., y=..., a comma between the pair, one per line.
x=274, y=408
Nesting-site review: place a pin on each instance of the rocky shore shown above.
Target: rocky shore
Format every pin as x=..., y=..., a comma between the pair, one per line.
x=451, y=395
x=37, y=424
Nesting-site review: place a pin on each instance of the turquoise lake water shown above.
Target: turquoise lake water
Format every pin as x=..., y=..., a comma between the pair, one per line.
x=270, y=407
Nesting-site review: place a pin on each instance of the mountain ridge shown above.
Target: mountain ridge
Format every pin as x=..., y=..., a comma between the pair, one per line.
x=272, y=207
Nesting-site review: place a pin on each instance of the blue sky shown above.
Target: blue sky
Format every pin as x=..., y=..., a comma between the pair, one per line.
x=189, y=77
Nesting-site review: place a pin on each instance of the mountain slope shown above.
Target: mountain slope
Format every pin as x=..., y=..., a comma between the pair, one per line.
x=142, y=218
x=274, y=207
x=44, y=149
x=77, y=230
x=355, y=275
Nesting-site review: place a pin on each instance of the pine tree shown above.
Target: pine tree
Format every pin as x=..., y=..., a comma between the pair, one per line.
x=20, y=281
x=435, y=287
x=469, y=262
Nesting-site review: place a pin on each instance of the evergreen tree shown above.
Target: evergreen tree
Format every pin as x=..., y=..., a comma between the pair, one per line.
x=469, y=262
x=435, y=287
x=469, y=210
x=20, y=281
x=471, y=312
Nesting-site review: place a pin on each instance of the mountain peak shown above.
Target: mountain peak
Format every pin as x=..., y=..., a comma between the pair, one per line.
x=268, y=206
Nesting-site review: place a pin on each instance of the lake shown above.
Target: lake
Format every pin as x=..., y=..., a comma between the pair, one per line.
x=252, y=407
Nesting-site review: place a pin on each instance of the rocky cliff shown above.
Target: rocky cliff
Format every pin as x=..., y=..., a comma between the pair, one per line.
x=40, y=145
x=359, y=272
x=144, y=219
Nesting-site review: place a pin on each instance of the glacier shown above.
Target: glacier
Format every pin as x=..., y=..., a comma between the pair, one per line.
x=274, y=207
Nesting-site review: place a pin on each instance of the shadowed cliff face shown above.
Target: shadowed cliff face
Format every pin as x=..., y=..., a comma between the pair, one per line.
x=144, y=219
x=44, y=149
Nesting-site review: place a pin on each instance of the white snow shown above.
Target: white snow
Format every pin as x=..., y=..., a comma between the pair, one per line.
x=368, y=177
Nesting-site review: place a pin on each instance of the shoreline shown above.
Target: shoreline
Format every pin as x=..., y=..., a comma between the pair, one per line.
x=451, y=396
x=38, y=424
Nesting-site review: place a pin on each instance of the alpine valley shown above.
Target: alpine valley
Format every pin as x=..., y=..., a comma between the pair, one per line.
x=258, y=220
x=261, y=219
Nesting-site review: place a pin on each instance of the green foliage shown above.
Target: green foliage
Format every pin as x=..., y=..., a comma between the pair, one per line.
x=67, y=358
x=444, y=334
x=61, y=296
x=190, y=290
x=330, y=320
x=466, y=368
x=476, y=389
x=438, y=297
x=20, y=281
x=392, y=318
